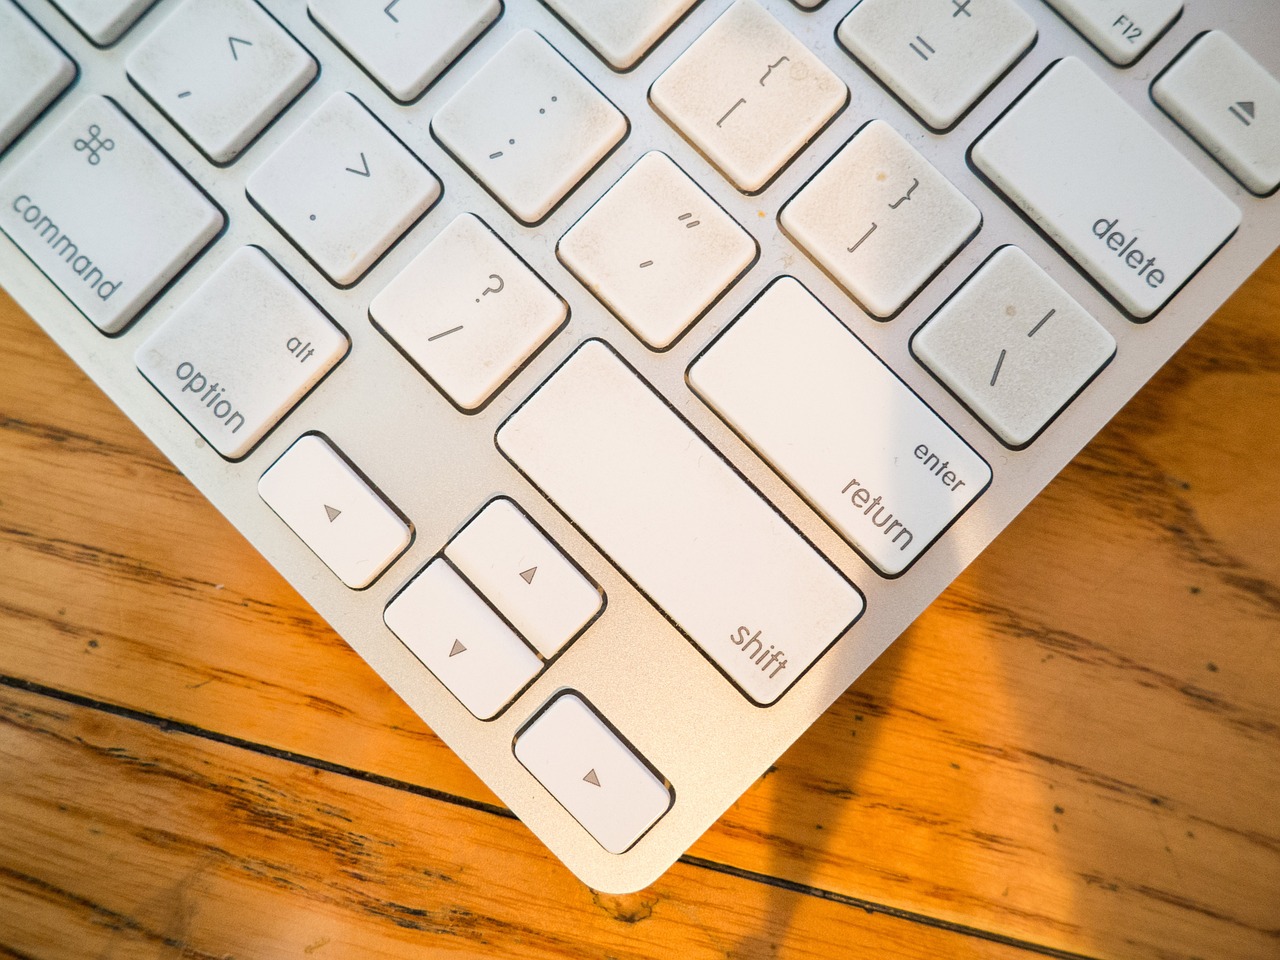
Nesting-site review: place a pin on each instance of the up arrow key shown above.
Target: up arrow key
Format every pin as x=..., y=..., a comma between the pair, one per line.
x=232, y=41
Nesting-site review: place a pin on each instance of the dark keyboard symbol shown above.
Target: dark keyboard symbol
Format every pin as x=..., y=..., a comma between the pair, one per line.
x=95, y=144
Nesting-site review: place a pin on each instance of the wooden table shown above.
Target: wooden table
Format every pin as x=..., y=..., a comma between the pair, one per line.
x=1076, y=750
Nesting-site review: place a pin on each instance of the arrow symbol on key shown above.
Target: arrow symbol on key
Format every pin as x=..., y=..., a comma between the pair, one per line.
x=527, y=575
x=360, y=173
x=591, y=778
x=457, y=648
x=333, y=512
x=232, y=41
x=1244, y=111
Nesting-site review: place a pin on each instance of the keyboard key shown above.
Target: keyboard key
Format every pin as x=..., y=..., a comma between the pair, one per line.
x=405, y=46
x=621, y=31
x=331, y=508
x=33, y=72
x=521, y=572
x=1013, y=346
x=221, y=70
x=107, y=216
x=938, y=56
x=529, y=127
x=657, y=251
x=1090, y=172
x=600, y=780
x=468, y=312
x=1121, y=32
x=343, y=189
x=241, y=352
x=753, y=596
x=103, y=21
x=1230, y=104
x=748, y=95
x=880, y=219
x=839, y=426
x=459, y=638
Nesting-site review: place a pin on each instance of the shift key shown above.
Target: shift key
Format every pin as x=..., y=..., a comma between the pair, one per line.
x=105, y=214
x=1099, y=181
x=702, y=544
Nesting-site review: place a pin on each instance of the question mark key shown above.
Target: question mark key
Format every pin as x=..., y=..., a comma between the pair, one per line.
x=468, y=313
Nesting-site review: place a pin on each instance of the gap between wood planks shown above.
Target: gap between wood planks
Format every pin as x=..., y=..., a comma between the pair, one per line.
x=869, y=906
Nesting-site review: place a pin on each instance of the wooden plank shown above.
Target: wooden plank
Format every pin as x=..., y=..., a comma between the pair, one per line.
x=1077, y=745
x=118, y=839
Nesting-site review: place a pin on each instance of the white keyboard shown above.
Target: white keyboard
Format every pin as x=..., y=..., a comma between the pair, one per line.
x=621, y=378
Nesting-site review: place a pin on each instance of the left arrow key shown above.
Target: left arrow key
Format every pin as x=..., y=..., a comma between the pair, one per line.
x=302, y=486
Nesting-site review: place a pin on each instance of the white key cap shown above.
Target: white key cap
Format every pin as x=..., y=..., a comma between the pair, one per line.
x=105, y=214
x=405, y=45
x=221, y=70
x=468, y=312
x=657, y=251
x=522, y=573
x=621, y=31
x=241, y=352
x=33, y=71
x=749, y=95
x=839, y=426
x=461, y=640
x=1013, y=346
x=343, y=189
x=1122, y=30
x=1230, y=104
x=593, y=774
x=334, y=511
x=529, y=126
x=717, y=559
x=1092, y=174
x=880, y=219
x=938, y=56
x=103, y=21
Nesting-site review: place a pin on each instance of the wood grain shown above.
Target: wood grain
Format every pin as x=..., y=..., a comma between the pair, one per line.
x=162, y=843
x=1077, y=747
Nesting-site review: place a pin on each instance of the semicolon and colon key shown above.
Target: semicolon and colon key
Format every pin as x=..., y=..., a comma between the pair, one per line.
x=529, y=126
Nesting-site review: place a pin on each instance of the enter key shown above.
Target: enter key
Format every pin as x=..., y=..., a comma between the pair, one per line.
x=1095, y=177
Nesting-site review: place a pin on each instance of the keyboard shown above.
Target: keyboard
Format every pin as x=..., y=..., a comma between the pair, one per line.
x=620, y=379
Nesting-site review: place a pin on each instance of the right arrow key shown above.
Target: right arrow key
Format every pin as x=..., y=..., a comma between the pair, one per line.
x=618, y=798
x=1230, y=104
